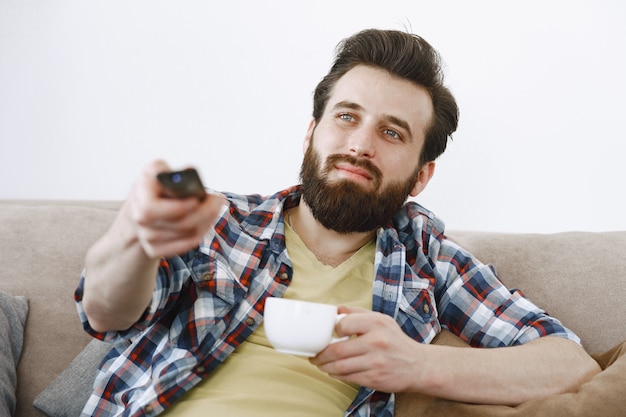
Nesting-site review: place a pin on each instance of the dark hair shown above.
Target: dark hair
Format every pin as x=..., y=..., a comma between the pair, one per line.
x=404, y=55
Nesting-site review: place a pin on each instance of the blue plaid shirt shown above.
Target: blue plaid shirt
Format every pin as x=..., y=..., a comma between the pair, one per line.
x=208, y=301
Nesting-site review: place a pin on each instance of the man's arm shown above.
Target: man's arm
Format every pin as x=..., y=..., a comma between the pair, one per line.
x=382, y=357
x=121, y=267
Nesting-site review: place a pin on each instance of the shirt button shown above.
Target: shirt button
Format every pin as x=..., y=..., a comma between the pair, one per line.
x=250, y=321
x=426, y=308
x=148, y=409
x=200, y=369
x=207, y=276
x=284, y=276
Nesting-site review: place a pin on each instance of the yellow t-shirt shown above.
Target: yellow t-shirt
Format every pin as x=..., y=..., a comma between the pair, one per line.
x=255, y=380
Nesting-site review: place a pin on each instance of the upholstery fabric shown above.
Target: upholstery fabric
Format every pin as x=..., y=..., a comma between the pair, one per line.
x=42, y=252
x=67, y=393
x=604, y=395
x=579, y=277
x=13, y=312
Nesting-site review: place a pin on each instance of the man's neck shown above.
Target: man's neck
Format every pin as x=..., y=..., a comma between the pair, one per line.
x=329, y=247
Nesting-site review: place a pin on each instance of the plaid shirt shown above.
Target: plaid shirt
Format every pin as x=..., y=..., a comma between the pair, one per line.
x=208, y=301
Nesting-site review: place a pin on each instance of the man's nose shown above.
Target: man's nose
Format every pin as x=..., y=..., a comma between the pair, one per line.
x=362, y=143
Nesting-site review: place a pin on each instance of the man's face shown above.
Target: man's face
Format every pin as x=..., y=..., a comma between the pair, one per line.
x=363, y=162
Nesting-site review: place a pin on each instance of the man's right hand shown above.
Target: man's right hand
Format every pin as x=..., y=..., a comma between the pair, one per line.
x=168, y=226
x=121, y=267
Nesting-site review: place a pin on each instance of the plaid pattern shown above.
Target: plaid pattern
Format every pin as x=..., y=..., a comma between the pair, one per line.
x=208, y=301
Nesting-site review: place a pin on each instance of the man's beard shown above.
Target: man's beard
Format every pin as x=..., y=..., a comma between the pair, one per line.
x=345, y=206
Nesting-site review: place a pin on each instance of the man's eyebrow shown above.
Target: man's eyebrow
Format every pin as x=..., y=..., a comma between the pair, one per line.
x=347, y=105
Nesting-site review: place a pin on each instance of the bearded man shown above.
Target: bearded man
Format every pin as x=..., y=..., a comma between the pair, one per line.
x=179, y=284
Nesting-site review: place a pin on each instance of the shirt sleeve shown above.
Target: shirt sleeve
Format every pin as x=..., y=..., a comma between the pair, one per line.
x=172, y=275
x=474, y=304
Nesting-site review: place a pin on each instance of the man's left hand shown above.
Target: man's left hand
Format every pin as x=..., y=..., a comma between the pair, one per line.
x=378, y=354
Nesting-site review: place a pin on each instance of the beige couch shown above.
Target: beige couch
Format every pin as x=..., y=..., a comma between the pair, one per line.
x=578, y=277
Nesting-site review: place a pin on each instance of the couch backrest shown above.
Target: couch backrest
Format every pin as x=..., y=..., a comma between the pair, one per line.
x=42, y=252
x=577, y=277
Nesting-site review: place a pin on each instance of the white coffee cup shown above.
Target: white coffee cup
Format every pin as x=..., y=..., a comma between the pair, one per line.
x=300, y=327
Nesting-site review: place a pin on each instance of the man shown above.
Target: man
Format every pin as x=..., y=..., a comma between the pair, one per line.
x=187, y=317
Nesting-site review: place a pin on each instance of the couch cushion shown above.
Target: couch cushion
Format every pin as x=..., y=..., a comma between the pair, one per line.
x=13, y=311
x=603, y=395
x=67, y=393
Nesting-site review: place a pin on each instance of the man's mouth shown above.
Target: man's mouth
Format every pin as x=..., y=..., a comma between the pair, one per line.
x=360, y=171
x=353, y=171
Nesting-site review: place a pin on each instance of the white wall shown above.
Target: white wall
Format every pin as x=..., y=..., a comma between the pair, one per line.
x=92, y=90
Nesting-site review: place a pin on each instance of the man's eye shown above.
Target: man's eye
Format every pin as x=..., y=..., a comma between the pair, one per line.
x=392, y=133
x=346, y=117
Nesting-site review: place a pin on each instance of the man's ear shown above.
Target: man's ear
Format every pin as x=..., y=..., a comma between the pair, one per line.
x=309, y=135
x=426, y=173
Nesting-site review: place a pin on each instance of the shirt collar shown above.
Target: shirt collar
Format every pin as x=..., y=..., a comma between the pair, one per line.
x=266, y=220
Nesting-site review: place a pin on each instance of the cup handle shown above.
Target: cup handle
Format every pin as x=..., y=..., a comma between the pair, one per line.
x=339, y=339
